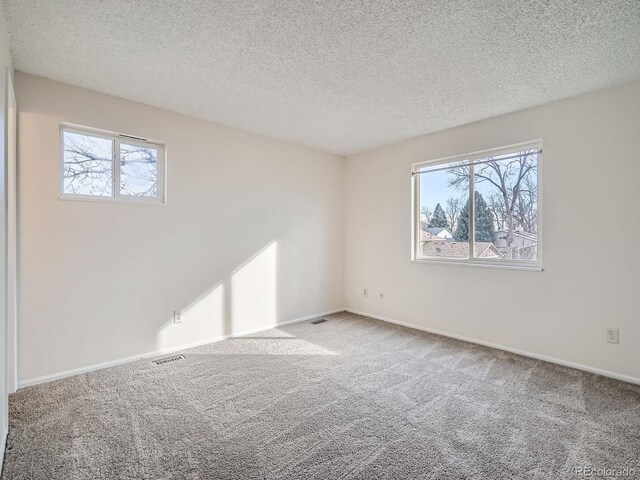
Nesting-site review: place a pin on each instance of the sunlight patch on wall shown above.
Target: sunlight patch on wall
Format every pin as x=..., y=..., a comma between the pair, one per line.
x=253, y=292
x=205, y=316
x=243, y=301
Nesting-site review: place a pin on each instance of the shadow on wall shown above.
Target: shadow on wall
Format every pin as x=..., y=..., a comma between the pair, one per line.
x=243, y=302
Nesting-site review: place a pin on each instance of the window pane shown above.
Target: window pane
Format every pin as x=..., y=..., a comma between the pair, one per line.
x=442, y=199
x=506, y=207
x=88, y=165
x=138, y=171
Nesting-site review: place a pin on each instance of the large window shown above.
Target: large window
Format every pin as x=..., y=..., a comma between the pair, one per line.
x=99, y=165
x=481, y=208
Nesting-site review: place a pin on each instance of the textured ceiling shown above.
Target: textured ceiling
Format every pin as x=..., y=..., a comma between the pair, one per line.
x=343, y=76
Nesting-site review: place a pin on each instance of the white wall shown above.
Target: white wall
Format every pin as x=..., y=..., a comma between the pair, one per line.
x=252, y=235
x=591, y=279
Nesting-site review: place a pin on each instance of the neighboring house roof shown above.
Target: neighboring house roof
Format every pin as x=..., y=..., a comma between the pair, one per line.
x=428, y=236
x=459, y=249
x=487, y=250
x=434, y=230
x=438, y=232
x=517, y=233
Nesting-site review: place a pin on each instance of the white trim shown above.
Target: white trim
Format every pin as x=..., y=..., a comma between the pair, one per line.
x=3, y=445
x=115, y=171
x=471, y=157
x=525, y=353
x=113, y=363
x=77, y=197
x=465, y=262
x=11, y=183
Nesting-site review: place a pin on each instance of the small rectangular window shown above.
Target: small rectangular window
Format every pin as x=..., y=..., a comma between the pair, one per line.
x=102, y=165
x=503, y=220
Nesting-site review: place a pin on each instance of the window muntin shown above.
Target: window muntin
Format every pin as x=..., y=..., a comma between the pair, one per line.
x=89, y=169
x=503, y=219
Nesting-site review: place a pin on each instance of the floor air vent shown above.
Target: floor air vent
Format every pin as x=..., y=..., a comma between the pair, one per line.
x=320, y=320
x=162, y=361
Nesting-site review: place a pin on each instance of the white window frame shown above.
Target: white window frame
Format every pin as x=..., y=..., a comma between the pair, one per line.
x=471, y=261
x=117, y=139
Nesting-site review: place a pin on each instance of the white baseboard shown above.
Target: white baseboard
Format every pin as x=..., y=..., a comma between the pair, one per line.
x=3, y=445
x=558, y=361
x=113, y=363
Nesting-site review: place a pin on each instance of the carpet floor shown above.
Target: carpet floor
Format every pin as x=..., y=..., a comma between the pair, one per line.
x=351, y=398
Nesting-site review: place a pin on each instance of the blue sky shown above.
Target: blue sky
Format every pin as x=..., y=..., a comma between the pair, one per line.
x=434, y=189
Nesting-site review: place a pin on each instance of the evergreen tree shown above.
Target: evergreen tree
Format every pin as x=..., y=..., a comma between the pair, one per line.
x=439, y=218
x=462, y=229
x=484, y=221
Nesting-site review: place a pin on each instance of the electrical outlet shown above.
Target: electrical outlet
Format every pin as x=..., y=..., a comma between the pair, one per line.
x=365, y=292
x=612, y=335
x=177, y=316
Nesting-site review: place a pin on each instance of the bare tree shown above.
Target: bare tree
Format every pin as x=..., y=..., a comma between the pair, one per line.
x=141, y=171
x=497, y=209
x=425, y=216
x=526, y=212
x=453, y=208
x=87, y=168
x=508, y=176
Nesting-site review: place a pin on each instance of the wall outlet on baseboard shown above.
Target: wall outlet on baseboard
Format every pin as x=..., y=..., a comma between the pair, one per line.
x=612, y=335
x=365, y=292
x=177, y=316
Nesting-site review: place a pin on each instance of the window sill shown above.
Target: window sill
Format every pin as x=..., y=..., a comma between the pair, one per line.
x=482, y=264
x=120, y=200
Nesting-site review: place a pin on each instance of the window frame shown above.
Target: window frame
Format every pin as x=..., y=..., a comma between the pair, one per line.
x=471, y=158
x=117, y=139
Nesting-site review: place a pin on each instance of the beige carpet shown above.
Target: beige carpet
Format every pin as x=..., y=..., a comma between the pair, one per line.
x=352, y=398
